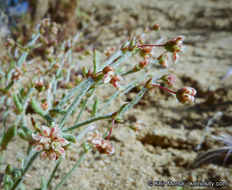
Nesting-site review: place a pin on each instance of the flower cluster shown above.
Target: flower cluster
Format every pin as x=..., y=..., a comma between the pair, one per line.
x=186, y=95
x=102, y=145
x=39, y=84
x=142, y=64
x=50, y=143
x=109, y=76
x=175, y=46
x=170, y=79
x=17, y=73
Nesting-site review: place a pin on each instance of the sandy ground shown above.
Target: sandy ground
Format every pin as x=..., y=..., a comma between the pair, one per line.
x=166, y=146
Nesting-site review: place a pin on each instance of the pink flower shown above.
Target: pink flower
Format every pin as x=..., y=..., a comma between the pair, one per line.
x=186, y=95
x=103, y=146
x=175, y=46
x=50, y=143
x=170, y=79
x=163, y=60
x=115, y=81
x=175, y=57
x=39, y=84
x=108, y=74
x=108, y=51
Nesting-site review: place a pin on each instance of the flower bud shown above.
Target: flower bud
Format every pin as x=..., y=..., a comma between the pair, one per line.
x=144, y=63
x=175, y=45
x=39, y=85
x=89, y=73
x=145, y=51
x=115, y=81
x=163, y=60
x=108, y=51
x=186, y=95
x=85, y=71
x=107, y=69
x=156, y=27
x=170, y=79
x=149, y=84
x=175, y=57
x=78, y=79
x=44, y=106
x=17, y=73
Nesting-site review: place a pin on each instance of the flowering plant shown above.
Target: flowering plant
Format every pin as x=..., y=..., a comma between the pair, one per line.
x=55, y=94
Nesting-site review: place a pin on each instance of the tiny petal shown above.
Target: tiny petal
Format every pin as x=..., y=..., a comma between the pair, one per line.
x=180, y=38
x=175, y=57
x=38, y=147
x=111, y=73
x=116, y=84
x=170, y=79
x=110, y=149
x=96, y=142
x=63, y=142
x=45, y=140
x=189, y=90
x=52, y=155
x=46, y=146
x=60, y=152
x=43, y=155
x=36, y=137
x=55, y=132
x=188, y=98
x=106, y=147
x=45, y=130
x=55, y=145
x=106, y=78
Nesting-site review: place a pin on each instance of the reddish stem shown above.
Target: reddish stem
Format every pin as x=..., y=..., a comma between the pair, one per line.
x=164, y=88
x=108, y=138
x=151, y=45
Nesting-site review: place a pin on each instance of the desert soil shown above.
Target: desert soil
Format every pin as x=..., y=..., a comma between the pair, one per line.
x=167, y=144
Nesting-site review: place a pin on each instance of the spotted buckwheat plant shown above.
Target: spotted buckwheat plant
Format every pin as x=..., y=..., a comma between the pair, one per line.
x=50, y=143
x=43, y=95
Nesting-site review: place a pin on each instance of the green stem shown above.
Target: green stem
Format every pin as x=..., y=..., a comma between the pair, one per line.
x=133, y=102
x=70, y=171
x=53, y=172
x=107, y=116
x=95, y=107
x=36, y=107
x=112, y=58
x=72, y=92
x=84, y=106
x=96, y=62
x=27, y=167
x=81, y=111
x=76, y=101
x=120, y=59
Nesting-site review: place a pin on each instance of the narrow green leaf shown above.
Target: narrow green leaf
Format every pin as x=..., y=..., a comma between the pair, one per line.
x=35, y=106
x=95, y=107
x=8, y=136
x=43, y=184
x=96, y=62
x=17, y=103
